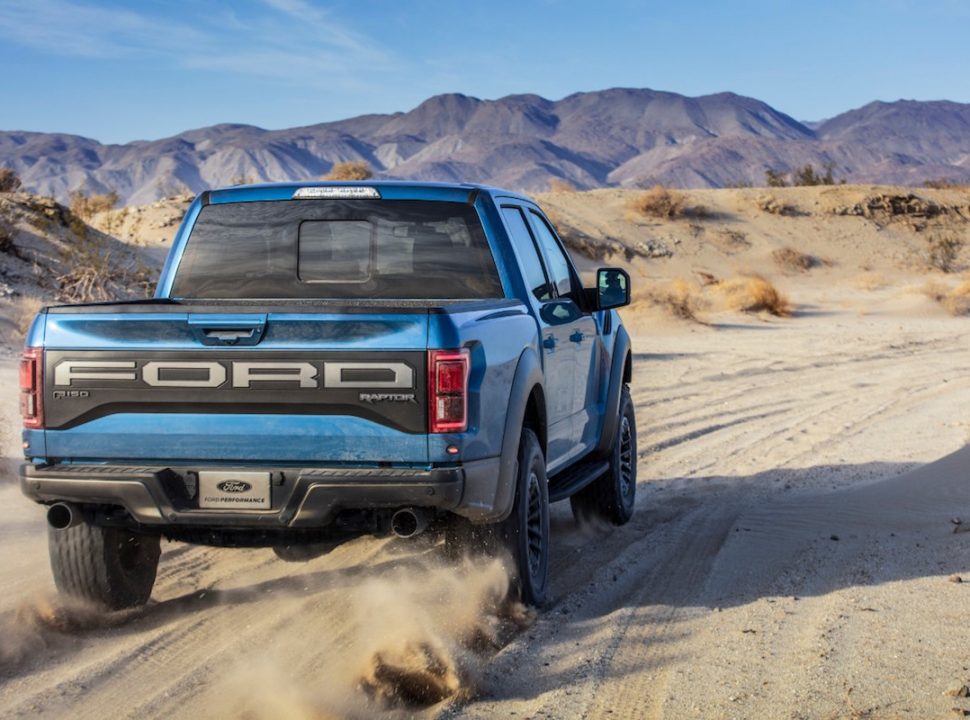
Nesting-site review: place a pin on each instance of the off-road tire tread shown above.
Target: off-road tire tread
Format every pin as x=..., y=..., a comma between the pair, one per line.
x=85, y=564
x=508, y=533
x=599, y=499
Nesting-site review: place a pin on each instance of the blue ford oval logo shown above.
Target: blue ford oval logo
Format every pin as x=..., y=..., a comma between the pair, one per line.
x=234, y=486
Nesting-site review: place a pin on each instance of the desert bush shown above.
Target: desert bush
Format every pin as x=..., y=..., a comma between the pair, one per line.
x=955, y=301
x=560, y=185
x=754, y=294
x=942, y=250
x=87, y=206
x=803, y=176
x=9, y=180
x=658, y=202
x=351, y=170
x=243, y=180
x=771, y=204
x=958, y=300
x=97, y=278
x=678, y=298
x=792, y=260
x=774, y=178
x=92, y=274
x=869, y=280
x=944, y=184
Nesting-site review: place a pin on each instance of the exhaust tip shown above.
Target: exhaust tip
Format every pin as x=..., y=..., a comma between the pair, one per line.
x=61, y=516
x=408, y=523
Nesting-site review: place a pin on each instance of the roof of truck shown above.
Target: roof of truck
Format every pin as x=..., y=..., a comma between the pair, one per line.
x=388, y=189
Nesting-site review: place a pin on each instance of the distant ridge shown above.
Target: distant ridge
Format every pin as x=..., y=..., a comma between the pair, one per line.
x=616, y=137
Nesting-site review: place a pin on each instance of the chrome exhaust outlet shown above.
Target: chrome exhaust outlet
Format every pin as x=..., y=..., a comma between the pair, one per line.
x=408, y=522
x=62, y=516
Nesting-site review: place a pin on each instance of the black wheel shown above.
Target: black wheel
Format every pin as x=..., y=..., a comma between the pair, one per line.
x=302, y=552
x=112, y=567
x=525, y=533
x=611, y=496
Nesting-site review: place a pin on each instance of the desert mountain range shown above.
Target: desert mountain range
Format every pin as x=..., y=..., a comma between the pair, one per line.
x=617, y=137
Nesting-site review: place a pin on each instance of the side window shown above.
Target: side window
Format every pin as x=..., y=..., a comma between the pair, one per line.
x=558, y=264
x=532, y=269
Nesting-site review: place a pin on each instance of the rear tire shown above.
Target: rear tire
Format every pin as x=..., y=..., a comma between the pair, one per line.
x=109, y=566
x=611, y=496
x=525, y=533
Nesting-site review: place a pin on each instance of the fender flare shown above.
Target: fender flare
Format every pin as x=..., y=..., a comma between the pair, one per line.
x=528, y=374
x=611, y=413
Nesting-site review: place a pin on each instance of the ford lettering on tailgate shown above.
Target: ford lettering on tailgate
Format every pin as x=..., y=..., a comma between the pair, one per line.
x=388, y=389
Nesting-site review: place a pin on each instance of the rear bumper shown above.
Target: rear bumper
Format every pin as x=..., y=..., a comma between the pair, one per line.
x=300, y=498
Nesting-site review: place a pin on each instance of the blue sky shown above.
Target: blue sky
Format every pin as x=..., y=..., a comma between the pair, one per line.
x=120, y=71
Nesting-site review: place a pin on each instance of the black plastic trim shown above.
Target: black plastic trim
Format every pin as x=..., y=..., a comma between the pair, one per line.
x=611, y=416
x=302, y=497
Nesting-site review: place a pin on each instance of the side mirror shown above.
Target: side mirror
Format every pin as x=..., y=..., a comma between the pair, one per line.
x=612, y=288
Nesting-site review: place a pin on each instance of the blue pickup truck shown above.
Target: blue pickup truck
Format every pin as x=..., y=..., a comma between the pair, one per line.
x=327, y=360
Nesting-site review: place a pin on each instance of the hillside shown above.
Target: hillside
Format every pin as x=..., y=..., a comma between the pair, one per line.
x=617, y=137
x=49, y=254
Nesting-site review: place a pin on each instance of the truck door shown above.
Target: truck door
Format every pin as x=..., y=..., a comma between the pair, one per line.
x=558, y=358
x=578, y=327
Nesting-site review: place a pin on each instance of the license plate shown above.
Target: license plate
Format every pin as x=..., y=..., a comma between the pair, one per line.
x=228, y=490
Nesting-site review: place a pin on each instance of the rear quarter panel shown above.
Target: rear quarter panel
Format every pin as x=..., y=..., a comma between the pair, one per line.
x=496, y=339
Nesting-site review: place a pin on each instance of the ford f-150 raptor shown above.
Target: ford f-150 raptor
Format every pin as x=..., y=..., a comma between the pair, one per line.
x=322, y=360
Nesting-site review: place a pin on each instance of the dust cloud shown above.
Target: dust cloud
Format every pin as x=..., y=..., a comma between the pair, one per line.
x=45, y=623
x=414, y=639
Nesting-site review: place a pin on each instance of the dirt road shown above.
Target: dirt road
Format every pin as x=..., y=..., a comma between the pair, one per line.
x=790, y=557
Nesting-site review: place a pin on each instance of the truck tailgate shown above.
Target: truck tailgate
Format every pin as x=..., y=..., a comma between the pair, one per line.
x=159, y=382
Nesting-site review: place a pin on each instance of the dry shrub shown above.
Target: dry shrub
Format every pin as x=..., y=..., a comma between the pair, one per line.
x=87, y=206
x=730, y=241
x=350, y=170
x=679, y=299
x=93, y=275
x=945, y=184
x=754, y=294
x=942, y=250
x=774, y=206
x=792, y=260
x=955, y=301
x=9, y=180
x=658, y=202
x=871, y=281
x=958, y=300
x=560, y=185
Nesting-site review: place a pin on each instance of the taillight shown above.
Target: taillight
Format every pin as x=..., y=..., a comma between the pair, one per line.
x=448, y=390
x=32, y=387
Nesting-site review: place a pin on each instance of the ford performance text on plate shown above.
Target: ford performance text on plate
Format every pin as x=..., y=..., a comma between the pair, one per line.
x=326, y=360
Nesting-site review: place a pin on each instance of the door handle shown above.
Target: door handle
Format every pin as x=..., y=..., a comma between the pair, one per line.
x=230, y=337
x=549, y=342
x=577, y=337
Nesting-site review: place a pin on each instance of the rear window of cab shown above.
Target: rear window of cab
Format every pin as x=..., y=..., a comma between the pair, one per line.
x=339, y=249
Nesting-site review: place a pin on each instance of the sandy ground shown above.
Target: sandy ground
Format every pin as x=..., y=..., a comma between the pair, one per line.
x=803, y=485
